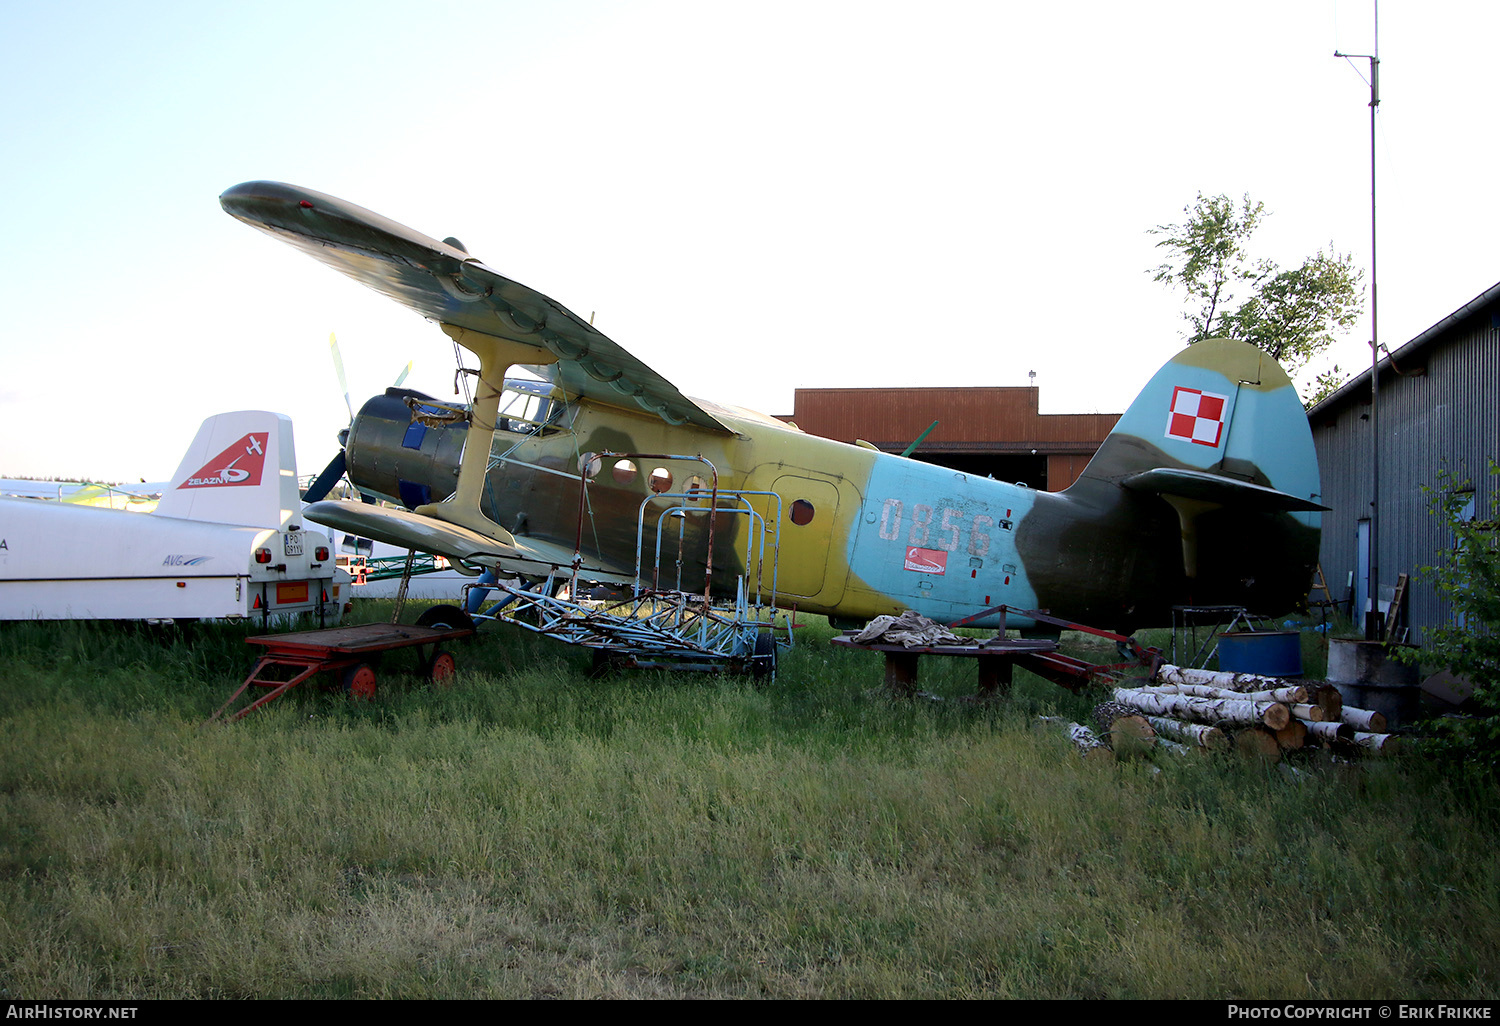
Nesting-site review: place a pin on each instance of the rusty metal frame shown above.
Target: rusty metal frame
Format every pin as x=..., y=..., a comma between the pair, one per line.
x=656, y=625
x=1065, y=670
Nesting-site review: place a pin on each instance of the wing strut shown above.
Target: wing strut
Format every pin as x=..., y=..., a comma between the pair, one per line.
x=496, y=357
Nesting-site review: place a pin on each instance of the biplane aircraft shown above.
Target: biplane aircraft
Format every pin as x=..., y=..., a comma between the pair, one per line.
x=1205, y=492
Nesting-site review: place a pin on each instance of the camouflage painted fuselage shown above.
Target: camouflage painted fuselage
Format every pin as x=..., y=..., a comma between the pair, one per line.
x=886, y=533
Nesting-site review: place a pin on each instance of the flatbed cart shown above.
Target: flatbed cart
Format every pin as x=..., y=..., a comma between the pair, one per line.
x=355, y=651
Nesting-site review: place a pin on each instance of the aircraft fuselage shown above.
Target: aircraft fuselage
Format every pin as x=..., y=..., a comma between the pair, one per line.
x=861, y=532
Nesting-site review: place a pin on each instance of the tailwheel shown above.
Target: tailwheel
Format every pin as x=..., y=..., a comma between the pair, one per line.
x=359, y=682
x=441, y=668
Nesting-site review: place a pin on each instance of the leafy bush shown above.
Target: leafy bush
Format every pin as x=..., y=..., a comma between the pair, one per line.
x=1469, y=643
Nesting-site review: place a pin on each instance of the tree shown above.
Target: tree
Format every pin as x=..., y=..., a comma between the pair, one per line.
x=1324, y=385
x=1291, y=314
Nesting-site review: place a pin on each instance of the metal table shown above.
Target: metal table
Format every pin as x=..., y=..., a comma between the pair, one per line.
x=996, y=658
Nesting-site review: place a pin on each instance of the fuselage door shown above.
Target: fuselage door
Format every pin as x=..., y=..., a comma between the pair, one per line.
x=809, y=511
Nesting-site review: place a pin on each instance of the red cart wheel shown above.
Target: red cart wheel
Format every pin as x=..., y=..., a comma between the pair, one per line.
x=359, y=682
x=441, y=668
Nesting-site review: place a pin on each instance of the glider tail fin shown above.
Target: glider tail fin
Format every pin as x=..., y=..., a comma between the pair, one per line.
x=240, y=469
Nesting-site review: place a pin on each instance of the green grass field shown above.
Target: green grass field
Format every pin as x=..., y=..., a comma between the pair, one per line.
x=529, y=832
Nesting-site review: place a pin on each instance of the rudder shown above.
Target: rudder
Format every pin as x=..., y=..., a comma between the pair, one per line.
x=241, y=468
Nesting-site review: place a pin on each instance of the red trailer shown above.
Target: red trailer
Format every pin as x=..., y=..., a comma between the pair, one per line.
x=353, y=650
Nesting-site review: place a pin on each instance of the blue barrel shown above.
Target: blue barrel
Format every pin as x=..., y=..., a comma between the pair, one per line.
x=1269, y=653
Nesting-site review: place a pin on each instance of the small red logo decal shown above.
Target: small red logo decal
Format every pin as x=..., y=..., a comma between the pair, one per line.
x=1197, y=416
x=926, y=561
x=240, y=464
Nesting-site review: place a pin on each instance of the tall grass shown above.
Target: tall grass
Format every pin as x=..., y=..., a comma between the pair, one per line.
x=531, y=832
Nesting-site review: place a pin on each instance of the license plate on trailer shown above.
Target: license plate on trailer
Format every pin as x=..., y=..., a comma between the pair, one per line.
x=291, y=544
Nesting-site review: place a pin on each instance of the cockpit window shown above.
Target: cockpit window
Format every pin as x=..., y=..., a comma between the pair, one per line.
x=527, y=407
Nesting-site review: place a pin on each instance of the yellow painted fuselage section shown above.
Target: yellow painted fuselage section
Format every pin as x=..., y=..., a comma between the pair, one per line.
x=825, y=479
x=856, y=532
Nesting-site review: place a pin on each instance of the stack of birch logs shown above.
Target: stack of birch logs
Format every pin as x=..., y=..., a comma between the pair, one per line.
x=1202, y=710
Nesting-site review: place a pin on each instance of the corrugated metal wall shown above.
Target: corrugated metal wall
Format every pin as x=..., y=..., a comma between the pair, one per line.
x=1446, y=415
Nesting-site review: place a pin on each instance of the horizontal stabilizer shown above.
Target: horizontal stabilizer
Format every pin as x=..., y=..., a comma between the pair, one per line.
x=1226, y=491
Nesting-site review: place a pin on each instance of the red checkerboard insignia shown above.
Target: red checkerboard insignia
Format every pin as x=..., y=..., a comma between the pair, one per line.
x=1197, y=416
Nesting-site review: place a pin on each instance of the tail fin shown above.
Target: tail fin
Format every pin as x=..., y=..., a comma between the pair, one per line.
x=240, y=469
x=1219, y=422
x=1220, y=435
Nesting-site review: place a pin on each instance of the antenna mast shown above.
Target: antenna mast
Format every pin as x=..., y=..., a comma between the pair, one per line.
x=1373, y=626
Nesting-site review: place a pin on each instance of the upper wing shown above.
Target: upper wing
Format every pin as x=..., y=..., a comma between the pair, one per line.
x=441, y=281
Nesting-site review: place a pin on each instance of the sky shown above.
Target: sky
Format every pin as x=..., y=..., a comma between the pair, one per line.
x=751, y=198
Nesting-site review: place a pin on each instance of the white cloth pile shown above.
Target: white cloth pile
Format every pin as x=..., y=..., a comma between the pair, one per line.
x=911, y=629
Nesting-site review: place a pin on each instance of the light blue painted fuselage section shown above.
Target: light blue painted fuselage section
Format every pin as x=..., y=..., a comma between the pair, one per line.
x=940, y=541
x=945, y=543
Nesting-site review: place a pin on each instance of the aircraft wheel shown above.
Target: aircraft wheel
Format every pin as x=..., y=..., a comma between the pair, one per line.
x=359, y=682
x=445, y=616
x=763, y=662
x=605, y=664
x=441, y=668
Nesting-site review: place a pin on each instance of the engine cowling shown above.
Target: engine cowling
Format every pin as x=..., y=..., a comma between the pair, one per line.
x=402, y=460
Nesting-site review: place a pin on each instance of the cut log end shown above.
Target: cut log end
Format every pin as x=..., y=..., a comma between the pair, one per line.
x=1258, y=743
x=1276, y=716
x=1292, y=736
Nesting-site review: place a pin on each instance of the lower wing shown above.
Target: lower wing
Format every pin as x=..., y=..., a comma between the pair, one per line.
x=463, y=547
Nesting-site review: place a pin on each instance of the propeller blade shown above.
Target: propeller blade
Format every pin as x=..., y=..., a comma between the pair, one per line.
x=338, y=365
x=402, y=376
x=324, y=482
